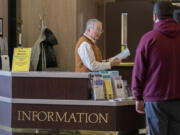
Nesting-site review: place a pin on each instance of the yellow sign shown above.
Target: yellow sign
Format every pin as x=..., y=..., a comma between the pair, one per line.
x=21, y=59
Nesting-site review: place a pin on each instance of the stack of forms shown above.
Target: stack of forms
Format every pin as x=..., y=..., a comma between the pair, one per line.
x=4, y=59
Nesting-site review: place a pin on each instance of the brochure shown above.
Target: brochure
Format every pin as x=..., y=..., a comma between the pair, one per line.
x=118, y=86
x=108, y=87
x=97, y=86
x=121, y=55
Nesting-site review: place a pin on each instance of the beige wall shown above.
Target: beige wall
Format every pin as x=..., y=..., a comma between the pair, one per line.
x=4, y=15
x=60, y=17
x=66, y=18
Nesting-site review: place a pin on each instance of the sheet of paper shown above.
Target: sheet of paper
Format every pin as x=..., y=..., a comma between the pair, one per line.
x=122, y=55
x=5, y=62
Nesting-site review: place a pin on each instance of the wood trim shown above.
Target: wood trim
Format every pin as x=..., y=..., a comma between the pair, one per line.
x=66, y=102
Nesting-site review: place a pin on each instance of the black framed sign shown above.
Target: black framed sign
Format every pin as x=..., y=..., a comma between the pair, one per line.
x=1, y=27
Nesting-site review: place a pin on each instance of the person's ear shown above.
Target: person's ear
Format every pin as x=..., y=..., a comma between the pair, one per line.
x=155, y=18
x=89, y=30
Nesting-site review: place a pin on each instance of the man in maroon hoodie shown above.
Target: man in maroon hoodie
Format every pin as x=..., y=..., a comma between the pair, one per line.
x=156, y=73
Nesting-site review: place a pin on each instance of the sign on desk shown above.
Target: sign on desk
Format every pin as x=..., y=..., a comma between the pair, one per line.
x=21, y=59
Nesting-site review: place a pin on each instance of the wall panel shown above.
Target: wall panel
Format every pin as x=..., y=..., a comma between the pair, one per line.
x=60, y=17
x=4, y=15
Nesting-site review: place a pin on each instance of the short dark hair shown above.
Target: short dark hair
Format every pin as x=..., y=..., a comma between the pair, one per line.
x=163, y=10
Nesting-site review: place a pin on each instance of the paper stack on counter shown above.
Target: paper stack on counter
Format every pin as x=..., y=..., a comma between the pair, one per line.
x=121, y=55
x=5, y=62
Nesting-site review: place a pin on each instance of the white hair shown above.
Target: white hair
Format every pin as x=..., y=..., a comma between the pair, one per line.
x=90, y=23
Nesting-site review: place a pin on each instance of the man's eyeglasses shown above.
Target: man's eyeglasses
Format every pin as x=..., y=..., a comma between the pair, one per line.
x=100, y=31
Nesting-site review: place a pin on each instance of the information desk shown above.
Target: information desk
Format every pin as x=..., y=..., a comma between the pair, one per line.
x=45, y=85
x=20, y=115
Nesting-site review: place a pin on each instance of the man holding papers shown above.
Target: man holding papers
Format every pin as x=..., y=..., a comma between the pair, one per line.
x=87, y=55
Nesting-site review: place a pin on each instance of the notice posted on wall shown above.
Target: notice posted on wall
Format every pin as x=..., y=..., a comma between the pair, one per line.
x=21, y=59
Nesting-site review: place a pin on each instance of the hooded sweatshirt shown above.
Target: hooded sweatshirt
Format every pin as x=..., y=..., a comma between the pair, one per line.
x=156, y=73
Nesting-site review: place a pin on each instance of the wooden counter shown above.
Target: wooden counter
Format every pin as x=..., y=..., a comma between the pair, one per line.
x=45, y=85
x=27, y=114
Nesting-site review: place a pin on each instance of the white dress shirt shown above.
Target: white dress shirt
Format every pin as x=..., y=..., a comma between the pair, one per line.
x=87, y=56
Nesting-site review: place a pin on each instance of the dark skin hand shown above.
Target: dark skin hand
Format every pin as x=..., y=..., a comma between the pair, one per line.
x=140, y=106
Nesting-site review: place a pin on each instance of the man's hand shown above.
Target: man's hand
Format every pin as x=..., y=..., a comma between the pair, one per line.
x=116, y=62
x=140, y=106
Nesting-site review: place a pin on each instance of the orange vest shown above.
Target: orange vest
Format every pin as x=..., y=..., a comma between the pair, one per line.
x=79, y=66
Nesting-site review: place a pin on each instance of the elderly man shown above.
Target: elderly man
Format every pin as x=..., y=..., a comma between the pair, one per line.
x=87, y=55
